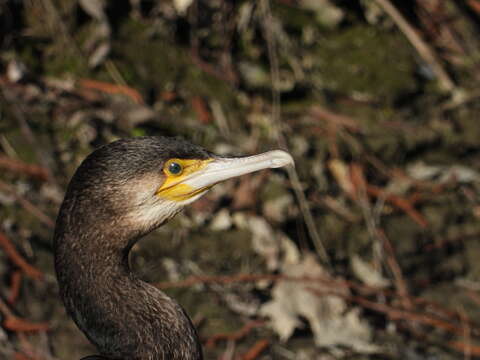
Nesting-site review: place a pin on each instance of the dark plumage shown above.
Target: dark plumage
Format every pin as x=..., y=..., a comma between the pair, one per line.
x=111, y=202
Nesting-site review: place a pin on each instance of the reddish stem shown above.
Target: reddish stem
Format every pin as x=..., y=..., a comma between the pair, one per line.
x=17, y=259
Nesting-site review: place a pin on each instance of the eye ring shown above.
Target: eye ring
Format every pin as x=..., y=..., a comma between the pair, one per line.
x=174, y=168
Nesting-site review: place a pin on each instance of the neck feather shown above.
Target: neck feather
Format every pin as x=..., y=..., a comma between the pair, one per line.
x=120, y=314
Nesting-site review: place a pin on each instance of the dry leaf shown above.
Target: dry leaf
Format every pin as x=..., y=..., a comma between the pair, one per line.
x=367, y=273
x=341, y=174
x=332, y=323
x=443, y=174
x=182, y=5
x=94, y=8
x=221, y=221
x=276, y=209
x=264, y=241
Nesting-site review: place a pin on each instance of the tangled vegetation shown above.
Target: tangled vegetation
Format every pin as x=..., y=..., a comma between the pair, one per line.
x=366, y=250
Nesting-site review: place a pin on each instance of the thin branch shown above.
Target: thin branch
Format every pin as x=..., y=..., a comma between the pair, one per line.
x=13, y=323
x=404, y=204
x=15, y=282
x=21, y=167
x=395, y=268
x=237, y=335
x=256, y=350
x=112, y=89
x=365, y=290
x=281, y=140
x=27, y=205
x=426, y=52
x=17, y=259
x=19, y=115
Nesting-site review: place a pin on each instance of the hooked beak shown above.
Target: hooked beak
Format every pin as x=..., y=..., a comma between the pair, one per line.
x=217, y=169
x=221, y=169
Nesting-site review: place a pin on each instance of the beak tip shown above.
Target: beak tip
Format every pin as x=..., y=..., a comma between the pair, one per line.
x=280, y=158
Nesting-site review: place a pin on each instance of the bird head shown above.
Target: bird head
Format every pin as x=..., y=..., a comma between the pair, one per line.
x=144, y=181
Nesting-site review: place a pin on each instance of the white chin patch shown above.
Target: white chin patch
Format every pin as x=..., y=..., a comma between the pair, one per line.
x=157, y=213
x=154, y=213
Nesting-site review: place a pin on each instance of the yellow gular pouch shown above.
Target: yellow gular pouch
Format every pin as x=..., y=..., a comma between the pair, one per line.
x=176, y=171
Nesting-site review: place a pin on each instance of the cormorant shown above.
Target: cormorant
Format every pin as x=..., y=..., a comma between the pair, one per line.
x=118, y=194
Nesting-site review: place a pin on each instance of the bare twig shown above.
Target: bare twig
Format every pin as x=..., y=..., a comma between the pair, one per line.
x=13, y=323
x=27, y=205
x=18, y=166
x=398, y=314
x=201, y=109
x=212, y=70
x=237, y=335
x=112, y=89
x=475, y=5
x=20, y=325
x=21, y=356
x=467, y=350
x=256, y=350
x=58, y=26
x=17, y=259
x=338, y=120
x=404, y=204
x=395, y=314
x=372, y=218
x=281, y=140
x=19, y=114
x=361, y=187
x=334, y=205
x=15, y=282
x=424, y=50
x=115, y=74
x=366, y=290
x=395, y=268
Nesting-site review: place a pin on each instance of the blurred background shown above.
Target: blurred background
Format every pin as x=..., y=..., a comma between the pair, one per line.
x=369, y=249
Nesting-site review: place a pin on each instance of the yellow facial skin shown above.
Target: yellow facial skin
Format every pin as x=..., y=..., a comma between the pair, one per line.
x=173, y=188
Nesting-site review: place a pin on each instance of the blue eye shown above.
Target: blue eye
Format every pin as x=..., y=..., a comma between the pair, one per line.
x=175, y=168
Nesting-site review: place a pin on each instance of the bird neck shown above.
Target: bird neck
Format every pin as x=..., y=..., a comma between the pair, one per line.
x=120, y=314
